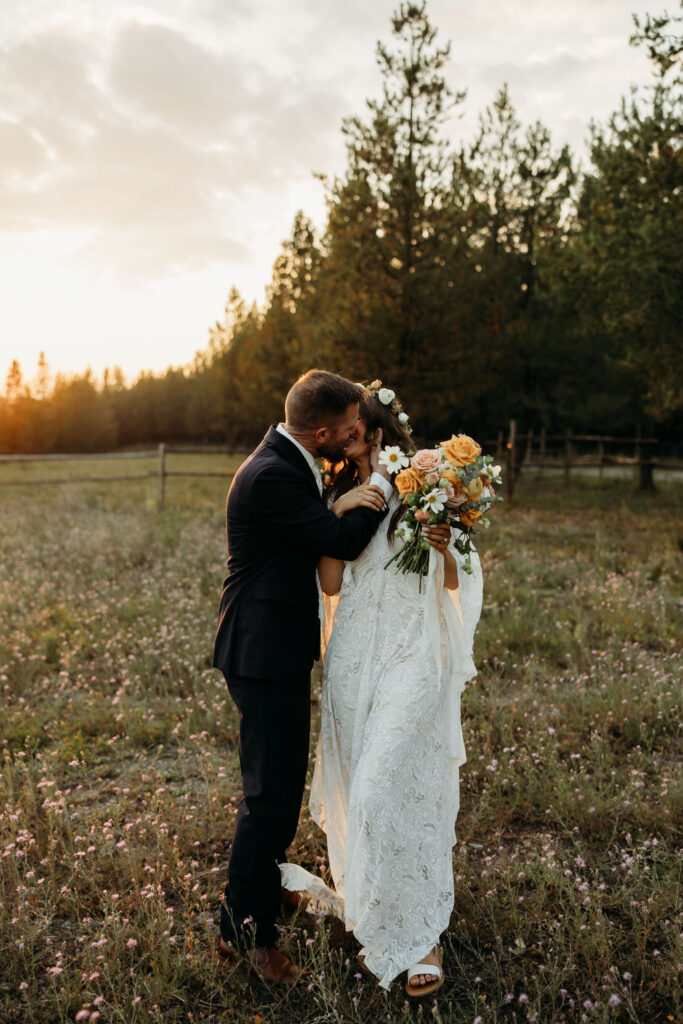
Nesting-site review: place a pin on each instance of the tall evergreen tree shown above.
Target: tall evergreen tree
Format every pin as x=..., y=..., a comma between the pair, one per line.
x=631, y=238
x=391, y=217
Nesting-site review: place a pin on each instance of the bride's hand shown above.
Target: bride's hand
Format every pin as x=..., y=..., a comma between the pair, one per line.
x=437, y=536
x=375, y=449
x=363, y=496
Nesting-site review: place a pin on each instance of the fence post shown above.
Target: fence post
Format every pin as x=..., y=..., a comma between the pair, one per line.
x=541, y=456
x=162, y=475
x=529, y=445
x=601, y=459
x=567, y=455
x=510, y=462
x=645, y=479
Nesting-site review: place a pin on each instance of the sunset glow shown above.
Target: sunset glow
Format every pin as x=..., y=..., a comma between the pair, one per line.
x=154, y=155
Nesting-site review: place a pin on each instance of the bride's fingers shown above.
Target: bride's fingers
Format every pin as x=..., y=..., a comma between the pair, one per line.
x=437, y=536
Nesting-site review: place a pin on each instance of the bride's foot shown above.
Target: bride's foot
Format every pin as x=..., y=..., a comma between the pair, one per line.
x=424, y=983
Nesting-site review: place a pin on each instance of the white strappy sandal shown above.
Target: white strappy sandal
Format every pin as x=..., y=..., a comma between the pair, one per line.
x=418, y=991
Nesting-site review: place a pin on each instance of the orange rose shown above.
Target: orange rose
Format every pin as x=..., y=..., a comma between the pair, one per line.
x=474, y=489
x=408, y=480
x=468, y=519
x=461, y=449
x=453, y=479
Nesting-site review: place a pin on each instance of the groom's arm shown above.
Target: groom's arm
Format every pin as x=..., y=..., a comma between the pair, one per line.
x=287, y=507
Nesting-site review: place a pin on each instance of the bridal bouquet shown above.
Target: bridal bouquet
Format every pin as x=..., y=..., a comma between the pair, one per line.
x=452, y=483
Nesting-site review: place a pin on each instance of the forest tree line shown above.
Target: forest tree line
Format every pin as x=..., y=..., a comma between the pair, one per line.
x=482, y=281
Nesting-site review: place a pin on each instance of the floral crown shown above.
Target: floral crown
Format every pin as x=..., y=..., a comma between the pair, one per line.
x=388, y=397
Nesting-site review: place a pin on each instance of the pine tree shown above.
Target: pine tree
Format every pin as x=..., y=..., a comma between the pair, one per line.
x=631, y=238
x=390, y=217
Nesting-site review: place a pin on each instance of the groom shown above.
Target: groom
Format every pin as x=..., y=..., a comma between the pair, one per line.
x=278, y=527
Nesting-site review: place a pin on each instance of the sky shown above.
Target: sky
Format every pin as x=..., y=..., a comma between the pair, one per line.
x=154, y=154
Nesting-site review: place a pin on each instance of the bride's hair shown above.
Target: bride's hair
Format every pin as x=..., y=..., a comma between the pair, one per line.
x=344, y=475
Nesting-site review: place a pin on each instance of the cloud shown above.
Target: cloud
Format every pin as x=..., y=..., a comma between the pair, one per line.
x=161, y=75
x=176, y=133
x=150, y=142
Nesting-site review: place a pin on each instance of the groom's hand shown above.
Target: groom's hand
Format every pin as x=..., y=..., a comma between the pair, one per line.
x=363, y=496
x=380, y=475
x=374, y=456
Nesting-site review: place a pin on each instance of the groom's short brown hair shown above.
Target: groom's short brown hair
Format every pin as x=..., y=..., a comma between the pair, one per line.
x=319, y=397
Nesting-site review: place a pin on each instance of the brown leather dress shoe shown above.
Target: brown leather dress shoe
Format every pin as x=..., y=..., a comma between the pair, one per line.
x=266, y=962
x=293, y=901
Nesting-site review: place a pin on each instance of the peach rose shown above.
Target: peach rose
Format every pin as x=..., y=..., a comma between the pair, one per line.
x=427, y=460
x=421, y=515
x=408, y=480
x=461, y=449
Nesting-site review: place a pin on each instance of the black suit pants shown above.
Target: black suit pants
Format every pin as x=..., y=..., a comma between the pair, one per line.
x=275, y=717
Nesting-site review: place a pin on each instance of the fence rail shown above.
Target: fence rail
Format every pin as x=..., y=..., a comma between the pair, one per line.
x=160, y=474
x=518, y=452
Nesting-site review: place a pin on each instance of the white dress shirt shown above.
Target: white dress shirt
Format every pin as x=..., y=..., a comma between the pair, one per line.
x=310, y=459
x=385, y=485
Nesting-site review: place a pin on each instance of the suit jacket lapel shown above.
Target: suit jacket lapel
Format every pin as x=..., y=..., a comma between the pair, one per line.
x=290, y=453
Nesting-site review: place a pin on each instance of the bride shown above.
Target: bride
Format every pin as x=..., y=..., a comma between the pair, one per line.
x=385, y=786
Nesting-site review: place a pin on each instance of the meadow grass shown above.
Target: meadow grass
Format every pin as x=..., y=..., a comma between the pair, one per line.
x=120, y=778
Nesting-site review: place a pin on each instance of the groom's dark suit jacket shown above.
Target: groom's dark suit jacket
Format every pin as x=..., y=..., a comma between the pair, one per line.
x=278, y=527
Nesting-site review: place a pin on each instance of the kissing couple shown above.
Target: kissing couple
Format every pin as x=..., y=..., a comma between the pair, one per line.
x=385, y=786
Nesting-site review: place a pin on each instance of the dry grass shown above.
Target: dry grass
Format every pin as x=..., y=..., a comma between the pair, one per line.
x=120, y=780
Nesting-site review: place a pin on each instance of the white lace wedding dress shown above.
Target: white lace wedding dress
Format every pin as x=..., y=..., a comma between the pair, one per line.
x=385, y=787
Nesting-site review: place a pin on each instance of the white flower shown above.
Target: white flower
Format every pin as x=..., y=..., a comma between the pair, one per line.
x=386, y=396
x=403, y=418
x=393, y=458
x=404, y=532
x=493, y=471
x=435, y=501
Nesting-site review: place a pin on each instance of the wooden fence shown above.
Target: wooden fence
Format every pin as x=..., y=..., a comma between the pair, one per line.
x=161, y=473
x=516, y=452
x=563, y=452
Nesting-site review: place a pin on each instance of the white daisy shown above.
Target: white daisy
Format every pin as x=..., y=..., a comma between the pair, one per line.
x=435, y=500
x=393, y=458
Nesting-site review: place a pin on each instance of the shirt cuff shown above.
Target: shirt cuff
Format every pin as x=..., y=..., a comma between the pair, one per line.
x=381, y=481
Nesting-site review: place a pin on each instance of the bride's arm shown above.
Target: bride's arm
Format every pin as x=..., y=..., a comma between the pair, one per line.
x=331, y=572
x=439, y=537
x=450, y=571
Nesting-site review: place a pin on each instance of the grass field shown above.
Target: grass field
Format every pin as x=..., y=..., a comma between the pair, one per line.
x=120, y=780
